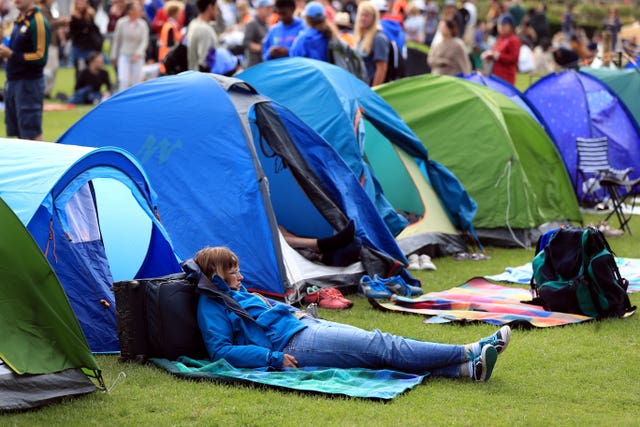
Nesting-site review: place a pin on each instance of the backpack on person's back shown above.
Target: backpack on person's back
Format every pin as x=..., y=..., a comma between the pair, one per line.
x=344, y=56
x=574, y=271
x=176, y=60
x=395, y=62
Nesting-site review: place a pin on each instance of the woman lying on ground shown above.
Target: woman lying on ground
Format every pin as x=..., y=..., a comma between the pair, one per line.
x=277, y=339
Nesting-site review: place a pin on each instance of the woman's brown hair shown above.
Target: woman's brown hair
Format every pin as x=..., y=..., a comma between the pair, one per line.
x=218, y=260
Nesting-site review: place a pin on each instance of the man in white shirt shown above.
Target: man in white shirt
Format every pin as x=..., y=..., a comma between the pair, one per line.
x=201, y=37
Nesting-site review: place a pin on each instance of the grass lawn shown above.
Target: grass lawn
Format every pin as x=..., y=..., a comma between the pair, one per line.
x=582, y=375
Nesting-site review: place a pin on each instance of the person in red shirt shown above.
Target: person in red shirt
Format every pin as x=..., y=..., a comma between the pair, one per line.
x=504, y=54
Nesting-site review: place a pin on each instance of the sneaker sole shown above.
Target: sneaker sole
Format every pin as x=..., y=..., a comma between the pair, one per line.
x=489, y=359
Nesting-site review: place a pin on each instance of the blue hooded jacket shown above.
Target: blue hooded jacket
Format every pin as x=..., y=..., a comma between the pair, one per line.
x=394, y=32
x=310, y=43
x=244, y=342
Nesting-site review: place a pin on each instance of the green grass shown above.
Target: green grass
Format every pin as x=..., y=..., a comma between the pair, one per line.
x=582, y=375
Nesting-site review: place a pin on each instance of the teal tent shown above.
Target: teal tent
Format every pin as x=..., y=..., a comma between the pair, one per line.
x=625, y=83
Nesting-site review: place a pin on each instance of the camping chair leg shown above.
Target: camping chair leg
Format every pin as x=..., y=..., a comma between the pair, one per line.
x=617, y=202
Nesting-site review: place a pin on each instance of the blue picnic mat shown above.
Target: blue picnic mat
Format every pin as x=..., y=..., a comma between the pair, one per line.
x=629, y=269
x=364, y=383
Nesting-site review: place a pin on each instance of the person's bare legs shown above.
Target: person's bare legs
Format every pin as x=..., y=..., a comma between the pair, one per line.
x=299, y=242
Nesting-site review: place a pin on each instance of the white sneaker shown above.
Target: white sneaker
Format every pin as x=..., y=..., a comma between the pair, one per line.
x=414, y=262
x=426, y=263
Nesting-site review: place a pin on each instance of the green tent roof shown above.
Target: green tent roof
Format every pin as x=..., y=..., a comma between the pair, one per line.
x=502, y=156
x=40, y=333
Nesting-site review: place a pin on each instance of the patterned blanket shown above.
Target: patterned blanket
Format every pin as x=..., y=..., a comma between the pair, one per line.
x=364, y=383
x=480, y=300
x=629, y=269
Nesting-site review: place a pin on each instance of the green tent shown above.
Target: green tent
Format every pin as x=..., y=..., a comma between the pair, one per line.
x=43, y=354
x=502, y=156
x=625, y=83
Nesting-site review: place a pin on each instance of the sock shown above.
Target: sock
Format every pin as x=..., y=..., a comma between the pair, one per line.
x=339, y=240
x=466, y=369
x=472, y=349
x=341, y=257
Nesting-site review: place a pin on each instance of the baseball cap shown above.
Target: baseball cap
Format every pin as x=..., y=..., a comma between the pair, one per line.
x=314, y=10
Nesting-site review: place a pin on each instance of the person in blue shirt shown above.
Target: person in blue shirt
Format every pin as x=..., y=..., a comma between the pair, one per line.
x=280, y=37
x=313, y=41
x=248, y=331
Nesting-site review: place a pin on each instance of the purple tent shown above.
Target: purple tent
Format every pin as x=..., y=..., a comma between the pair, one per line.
x=574, y=104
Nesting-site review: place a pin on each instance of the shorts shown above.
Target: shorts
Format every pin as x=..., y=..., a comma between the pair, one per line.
x=23, y=107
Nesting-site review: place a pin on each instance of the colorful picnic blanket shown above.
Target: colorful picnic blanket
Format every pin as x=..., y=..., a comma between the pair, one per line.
x=364, y=383
x=480, y=300
x=629, y=269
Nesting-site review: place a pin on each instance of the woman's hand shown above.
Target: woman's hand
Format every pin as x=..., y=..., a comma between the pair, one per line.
x=288, y=361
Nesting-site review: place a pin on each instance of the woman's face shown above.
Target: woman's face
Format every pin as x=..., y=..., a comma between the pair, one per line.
x=136, y=11
x=366, y=20
x=234, y=278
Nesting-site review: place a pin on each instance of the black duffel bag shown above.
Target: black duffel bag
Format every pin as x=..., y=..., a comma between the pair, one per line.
x=157, y=318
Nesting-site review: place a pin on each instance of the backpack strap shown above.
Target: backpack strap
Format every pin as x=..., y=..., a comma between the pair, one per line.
x=206, y=287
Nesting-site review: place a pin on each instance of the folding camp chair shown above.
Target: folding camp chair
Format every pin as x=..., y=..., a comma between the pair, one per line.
x=614, y=187
x=593, y=166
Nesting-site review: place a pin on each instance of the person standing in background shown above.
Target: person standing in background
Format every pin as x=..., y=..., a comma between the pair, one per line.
x=613, y=25
x=84, y=34
x=505, y=53
x=449, y=56
x=371, y=42
x=255, y=31
x=130, y=40
x=170, y=34
x=201, y=37
x=313, y=41
x=26, y=57
x=280, y=37
x=57, y=25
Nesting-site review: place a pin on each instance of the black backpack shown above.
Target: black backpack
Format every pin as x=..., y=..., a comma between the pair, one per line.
x=576, y=272
x=345, y=57
x=175, y=60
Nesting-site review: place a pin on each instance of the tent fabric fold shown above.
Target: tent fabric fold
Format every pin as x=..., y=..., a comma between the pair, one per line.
x=358, y=123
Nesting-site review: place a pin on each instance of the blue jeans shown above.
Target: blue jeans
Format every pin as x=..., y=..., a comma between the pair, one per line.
x=85, y=95
x=23, y=107
x=329, y=344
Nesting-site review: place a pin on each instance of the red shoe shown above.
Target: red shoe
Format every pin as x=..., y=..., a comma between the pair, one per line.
x=330, y=298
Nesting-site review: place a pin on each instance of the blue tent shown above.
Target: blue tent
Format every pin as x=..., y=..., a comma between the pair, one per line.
x=93, y=214
x=575, y=104
x=230, y=166
x=508, y=90
x=346, y=112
